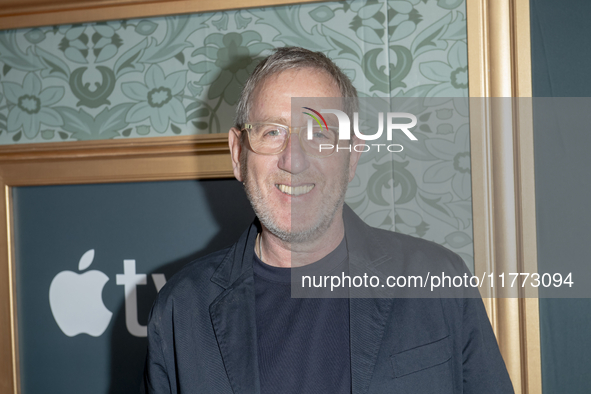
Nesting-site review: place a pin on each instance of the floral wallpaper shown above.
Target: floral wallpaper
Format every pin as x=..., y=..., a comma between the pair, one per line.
x=181, y=75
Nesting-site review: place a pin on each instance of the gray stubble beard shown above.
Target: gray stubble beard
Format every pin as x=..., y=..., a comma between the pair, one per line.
x=266, y=217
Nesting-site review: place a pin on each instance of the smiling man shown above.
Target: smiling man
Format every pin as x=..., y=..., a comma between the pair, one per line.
x=227, y=323
x=282, y=177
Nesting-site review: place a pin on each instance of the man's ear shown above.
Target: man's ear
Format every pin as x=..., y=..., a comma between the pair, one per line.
x=234, y=140
x=353, y=158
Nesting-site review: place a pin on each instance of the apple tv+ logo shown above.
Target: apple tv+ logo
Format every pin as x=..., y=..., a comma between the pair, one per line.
x=76, y=299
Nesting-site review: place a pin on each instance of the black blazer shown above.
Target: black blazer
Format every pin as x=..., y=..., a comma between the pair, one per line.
x=202, y=330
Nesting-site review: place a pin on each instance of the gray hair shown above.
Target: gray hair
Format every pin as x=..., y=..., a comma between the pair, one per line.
x=285, y=59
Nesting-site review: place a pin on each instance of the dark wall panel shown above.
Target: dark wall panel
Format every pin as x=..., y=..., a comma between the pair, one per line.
x=561, y=59
x=159, y=225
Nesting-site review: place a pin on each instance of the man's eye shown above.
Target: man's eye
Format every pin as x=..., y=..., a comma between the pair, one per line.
x=319, y=135
x=272, y=133
x=323, y=133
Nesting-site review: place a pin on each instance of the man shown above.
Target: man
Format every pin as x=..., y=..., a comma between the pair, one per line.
x=227, y=323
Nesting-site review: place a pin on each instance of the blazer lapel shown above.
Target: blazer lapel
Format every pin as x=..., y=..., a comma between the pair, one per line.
x=233, y=316
x=234, y=322
x=368, y=321
x=368, y=316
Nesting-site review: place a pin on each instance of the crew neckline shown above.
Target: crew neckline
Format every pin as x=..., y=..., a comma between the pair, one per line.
x=324, y=266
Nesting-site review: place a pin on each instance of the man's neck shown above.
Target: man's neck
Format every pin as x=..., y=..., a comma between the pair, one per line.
x=276, y=252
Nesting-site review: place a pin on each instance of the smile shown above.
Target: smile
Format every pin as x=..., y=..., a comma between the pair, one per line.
x=295, y=191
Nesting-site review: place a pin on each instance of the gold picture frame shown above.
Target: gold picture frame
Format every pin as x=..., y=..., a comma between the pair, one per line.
x=501, y=149
x=502, y=163
x=29, y=13
x=133, y=160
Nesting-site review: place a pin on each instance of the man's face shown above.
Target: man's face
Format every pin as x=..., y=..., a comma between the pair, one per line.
x=295, y=196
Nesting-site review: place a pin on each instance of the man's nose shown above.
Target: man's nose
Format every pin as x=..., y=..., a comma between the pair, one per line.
x=293, y=159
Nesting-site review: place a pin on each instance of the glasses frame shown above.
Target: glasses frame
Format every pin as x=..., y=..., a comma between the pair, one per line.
x=290, y=130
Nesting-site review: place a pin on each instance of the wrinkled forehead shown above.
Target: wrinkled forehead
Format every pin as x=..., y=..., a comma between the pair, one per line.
x=278, y=98
x=304, y=109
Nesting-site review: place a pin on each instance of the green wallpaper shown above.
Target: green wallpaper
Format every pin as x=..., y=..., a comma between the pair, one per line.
x=181, y=75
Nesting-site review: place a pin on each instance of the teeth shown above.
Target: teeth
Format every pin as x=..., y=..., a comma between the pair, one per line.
x=295, y=191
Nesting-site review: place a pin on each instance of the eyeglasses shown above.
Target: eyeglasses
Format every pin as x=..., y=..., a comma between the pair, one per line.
x=271, y=138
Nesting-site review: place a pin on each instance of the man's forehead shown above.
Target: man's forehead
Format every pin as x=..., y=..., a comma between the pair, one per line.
x=273, y=97
x=298, y=117
x=285, y=100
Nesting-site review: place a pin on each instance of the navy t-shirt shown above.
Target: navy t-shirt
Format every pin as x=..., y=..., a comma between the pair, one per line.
x=303, y=343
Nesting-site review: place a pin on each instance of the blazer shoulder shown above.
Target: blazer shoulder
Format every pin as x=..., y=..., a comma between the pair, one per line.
x=193, y=281
x=413, y=250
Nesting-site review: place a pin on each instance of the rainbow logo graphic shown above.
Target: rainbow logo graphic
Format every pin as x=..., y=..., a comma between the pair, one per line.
x=315, y=118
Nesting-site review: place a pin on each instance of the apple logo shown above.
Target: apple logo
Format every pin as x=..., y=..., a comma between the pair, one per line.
x=76, y=300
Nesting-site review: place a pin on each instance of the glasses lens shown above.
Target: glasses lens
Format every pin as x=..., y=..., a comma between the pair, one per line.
x=267, y=138
x=319, y=141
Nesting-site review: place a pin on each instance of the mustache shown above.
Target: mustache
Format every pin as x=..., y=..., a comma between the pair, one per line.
x=284, y=177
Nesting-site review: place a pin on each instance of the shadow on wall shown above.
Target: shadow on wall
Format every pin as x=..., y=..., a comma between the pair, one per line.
x=232, y=212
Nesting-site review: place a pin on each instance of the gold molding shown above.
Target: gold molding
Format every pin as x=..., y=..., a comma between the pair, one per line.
x=503, y=189
x=30, y=13
x=130, y=160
